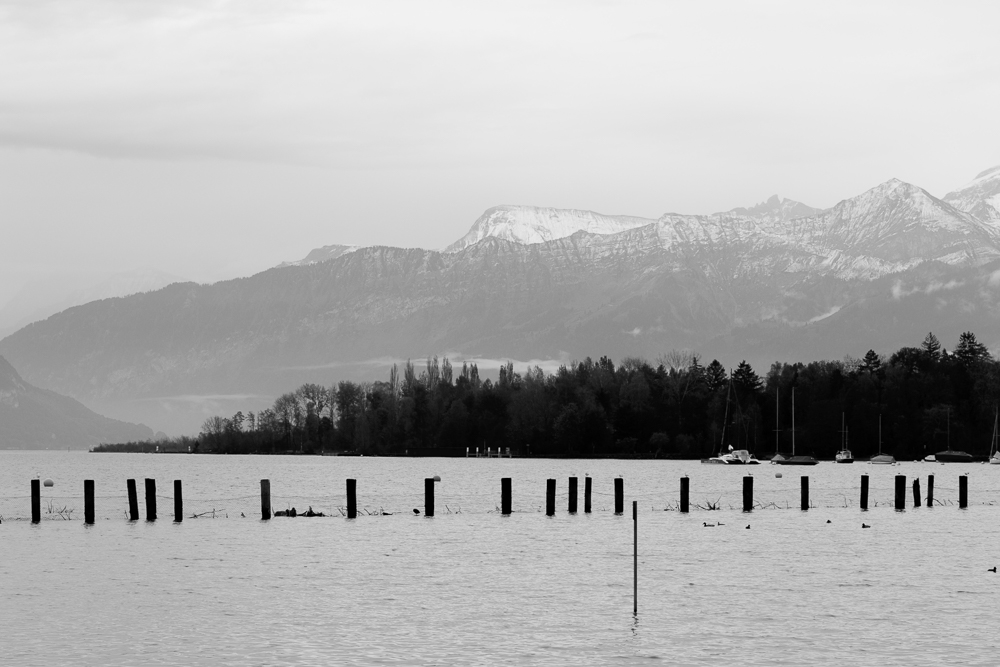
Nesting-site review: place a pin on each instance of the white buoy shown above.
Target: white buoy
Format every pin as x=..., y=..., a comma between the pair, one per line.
x=48, y=482
x=437, y=478
x=777, y=474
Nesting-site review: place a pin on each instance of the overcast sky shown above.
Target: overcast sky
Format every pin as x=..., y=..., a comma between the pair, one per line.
x=215, y=139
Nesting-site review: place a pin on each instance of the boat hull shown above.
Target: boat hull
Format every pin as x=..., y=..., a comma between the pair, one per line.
x=796, y=461
x=953, y=456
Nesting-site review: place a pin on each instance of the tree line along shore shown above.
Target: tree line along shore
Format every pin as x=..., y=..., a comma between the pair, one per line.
x=676, y=407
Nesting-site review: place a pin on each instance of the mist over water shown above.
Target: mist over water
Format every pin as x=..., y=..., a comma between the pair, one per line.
x=469, y=586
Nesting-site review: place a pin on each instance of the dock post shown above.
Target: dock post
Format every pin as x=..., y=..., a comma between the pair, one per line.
x=429, y=496
x=352, y=499
x=635, y=556
x=930, y=490
x=550, y=497
x=864, y=492
x=133, y=500
x=265, y=499
x=900, y=492
x=747, y=493
x=178, y=502
x=916, y=492
x=572, y=495
x=587, y=486
x=505, y=495
x=619, y=495
x=150, y=499
x=88, y=501
x=805, y=492
x=685, y=494
x=963, y=491
x=36, y=501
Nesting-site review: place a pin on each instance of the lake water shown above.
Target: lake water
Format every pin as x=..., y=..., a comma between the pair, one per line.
x=471, y=587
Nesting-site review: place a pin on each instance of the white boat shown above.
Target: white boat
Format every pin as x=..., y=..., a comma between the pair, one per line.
x=880, y=458
x=844, y=455
x=724, y=458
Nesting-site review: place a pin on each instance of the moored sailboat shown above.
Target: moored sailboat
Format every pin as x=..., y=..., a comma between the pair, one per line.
x=844, y=455
x=794, y=460
x=952, y=455
x=994, y=449
x=880, y=458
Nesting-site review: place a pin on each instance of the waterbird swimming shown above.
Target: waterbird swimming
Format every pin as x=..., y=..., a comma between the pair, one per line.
x=992, y=569
x=708, y=525
x=748, y=526
x=865, y=525
x=416, y=511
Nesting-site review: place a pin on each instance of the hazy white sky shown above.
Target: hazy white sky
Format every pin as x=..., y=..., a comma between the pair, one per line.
x=213, y=139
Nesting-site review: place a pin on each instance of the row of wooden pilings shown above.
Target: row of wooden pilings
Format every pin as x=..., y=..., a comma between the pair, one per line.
x=505, y=496
x=899, y=500
x=133, y=501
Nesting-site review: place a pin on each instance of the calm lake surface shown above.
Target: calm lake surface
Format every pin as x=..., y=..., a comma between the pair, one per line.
x=471, y=587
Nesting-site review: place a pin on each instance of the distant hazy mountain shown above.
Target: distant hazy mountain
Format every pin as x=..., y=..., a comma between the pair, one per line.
x=41, y=298
x=32, y=418
x=779, y=280
x=322, y=254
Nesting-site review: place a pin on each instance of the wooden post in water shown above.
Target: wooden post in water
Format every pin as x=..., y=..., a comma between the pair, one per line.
x=685, y=494
x=864, y=493
x=88, y=501
x=916, y=492
x=505, y=496
x=572, y=495
x=550, y=497
x=150, y=499
x=930, y=490
x=587, y=486
x=635, y=556
x=133, y=500
x=805, y=492
x=747, y=493
x=265, y=499
x=178, y=502
x=963, y=491
x=429, y=496
x=36, y=501
x=352, y=499
x=900, y=492
x=619, y=495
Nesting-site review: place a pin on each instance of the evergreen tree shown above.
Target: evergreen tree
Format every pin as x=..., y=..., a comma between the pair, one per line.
x=932, y=347
x=871, y=364
x=970, y=351
x=746, y=380
x=715, y=375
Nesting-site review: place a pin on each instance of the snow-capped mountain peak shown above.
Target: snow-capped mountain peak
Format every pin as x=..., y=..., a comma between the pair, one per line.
x=532, y=224
x=981, y=197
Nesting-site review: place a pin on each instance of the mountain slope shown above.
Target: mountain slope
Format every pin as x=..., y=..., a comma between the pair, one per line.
x=32, y=418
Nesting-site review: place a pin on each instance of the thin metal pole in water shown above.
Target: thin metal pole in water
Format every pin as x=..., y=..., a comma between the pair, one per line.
x=635, y=557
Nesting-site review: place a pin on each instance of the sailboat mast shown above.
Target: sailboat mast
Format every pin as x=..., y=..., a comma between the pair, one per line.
x=793, y=421
x=880, y=434
x=777, y=423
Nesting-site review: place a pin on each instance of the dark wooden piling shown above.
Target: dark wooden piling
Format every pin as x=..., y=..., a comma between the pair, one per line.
x=900, y=492
x=150, y=499
x=864, y=492
x=352, y=499
x=619, y=495
x=572, y=495
x=747, y=493
x=805, y=492
x=685, y=494
x=916, y=492
x=505, y=495
x=133, y=500
x=587, y=488
x=88, y=501
x=635, y=556
x=550, y=497
x=265, y=499
x=178, y=502
x=36, y=501
x=963, y=491
x=429, y=496
x=930, y=490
